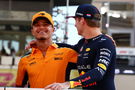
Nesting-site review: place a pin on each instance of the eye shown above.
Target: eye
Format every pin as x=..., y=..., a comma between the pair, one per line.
x=36, y=25
x=46, y=24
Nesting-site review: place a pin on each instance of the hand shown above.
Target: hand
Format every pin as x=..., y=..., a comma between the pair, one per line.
x=31, y=44
x=58, y=86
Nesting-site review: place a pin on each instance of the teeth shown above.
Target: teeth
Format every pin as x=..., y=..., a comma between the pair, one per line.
x=42, y=32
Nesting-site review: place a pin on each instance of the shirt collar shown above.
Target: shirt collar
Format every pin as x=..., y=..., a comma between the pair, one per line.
x=94, y=38
x=54, y=46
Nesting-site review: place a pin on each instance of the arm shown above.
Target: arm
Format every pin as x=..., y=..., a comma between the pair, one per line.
x=68, y=46
x=75, y=47
x=111, y=39
x=22, y=76
x=70, y=66
x=72, y=59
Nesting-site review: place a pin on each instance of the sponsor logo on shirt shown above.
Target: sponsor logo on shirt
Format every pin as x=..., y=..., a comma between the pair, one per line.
x=96, y=37
x=58, y=58
x=102, y=39
x=104, y=61
x=105, y=58
x=87, y=49
x=81, y=48
x=105, y=53
x=85, y=54
x=86, y=79
x=32, y=63
x=105, y=49
x=61, y=53
x=84, y=67
x=102, y=66
x=91, y=84
x=82, y=73
x=100, y=70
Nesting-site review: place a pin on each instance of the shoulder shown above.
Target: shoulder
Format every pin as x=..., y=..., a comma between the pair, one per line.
x=105, y=40
x=63, y=45
x=25, y=57
x=26, y=54
x=81, y=41
x=65, y=50
x=106, y=43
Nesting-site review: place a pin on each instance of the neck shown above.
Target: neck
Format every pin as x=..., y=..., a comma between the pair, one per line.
x=43, y=45
x=91, y=32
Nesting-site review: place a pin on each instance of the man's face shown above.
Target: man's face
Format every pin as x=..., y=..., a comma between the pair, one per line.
x=42, y=30
x=78, y=25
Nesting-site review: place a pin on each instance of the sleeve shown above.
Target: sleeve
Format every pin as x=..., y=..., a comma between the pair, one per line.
x=74, y=47
x=72, y=59
x=22, y=76
x=72, y=56
x=105, y=56
x=70, y=66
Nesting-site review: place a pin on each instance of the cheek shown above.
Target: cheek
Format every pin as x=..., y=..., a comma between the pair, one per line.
x=34, y=30
x=51, y=29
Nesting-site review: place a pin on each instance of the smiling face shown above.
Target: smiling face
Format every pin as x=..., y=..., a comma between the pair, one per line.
x=42, y=29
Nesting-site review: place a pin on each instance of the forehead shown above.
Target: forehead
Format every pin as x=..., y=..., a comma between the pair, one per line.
x=41, y=19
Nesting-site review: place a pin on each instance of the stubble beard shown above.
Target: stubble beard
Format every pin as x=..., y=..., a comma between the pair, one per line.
x=42, y=38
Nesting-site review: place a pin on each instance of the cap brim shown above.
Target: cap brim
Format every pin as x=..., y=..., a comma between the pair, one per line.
x=70, y=17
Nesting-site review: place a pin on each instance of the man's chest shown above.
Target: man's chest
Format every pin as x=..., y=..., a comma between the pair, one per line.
x=87, y=56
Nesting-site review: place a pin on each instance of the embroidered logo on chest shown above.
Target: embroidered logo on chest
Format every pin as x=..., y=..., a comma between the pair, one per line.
x=58, y=58
x=32, y=63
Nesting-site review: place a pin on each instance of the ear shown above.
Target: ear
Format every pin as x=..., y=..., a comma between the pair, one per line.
x=82, y=20
x=53, y=29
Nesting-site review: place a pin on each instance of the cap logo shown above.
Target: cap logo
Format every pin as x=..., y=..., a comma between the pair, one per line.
x=42, y=14
x=89, y=15
x=79, y=14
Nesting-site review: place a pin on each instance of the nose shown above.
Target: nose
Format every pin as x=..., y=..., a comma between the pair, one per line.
x=41, y=26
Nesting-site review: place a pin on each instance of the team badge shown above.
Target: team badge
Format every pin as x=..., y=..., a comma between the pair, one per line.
x=87, y=49
x=82, y=73
x=81, y=49
x=102, y=66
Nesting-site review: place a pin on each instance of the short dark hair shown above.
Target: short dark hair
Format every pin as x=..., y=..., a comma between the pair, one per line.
x=93, y=23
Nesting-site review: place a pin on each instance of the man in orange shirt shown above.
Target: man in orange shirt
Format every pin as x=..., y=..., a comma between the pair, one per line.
x=47, y=62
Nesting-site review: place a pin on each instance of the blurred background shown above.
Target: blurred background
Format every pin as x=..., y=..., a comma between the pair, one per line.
x=118, y=20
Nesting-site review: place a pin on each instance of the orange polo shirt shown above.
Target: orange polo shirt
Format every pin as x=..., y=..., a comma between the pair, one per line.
x=41, y=71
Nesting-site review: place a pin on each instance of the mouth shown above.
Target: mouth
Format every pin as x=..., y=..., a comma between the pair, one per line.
x=42, y=32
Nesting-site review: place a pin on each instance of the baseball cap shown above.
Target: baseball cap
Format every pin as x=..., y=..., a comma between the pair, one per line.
x=44, y=15
x=87, y=11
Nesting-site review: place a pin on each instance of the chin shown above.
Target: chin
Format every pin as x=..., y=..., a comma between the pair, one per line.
x=42, y=38
x=79, y=33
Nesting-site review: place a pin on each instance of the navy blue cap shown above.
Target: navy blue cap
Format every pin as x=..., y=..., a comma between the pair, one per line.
x=87, y=11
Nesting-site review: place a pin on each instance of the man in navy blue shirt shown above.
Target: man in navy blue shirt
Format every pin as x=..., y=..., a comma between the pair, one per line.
x=97, y=53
